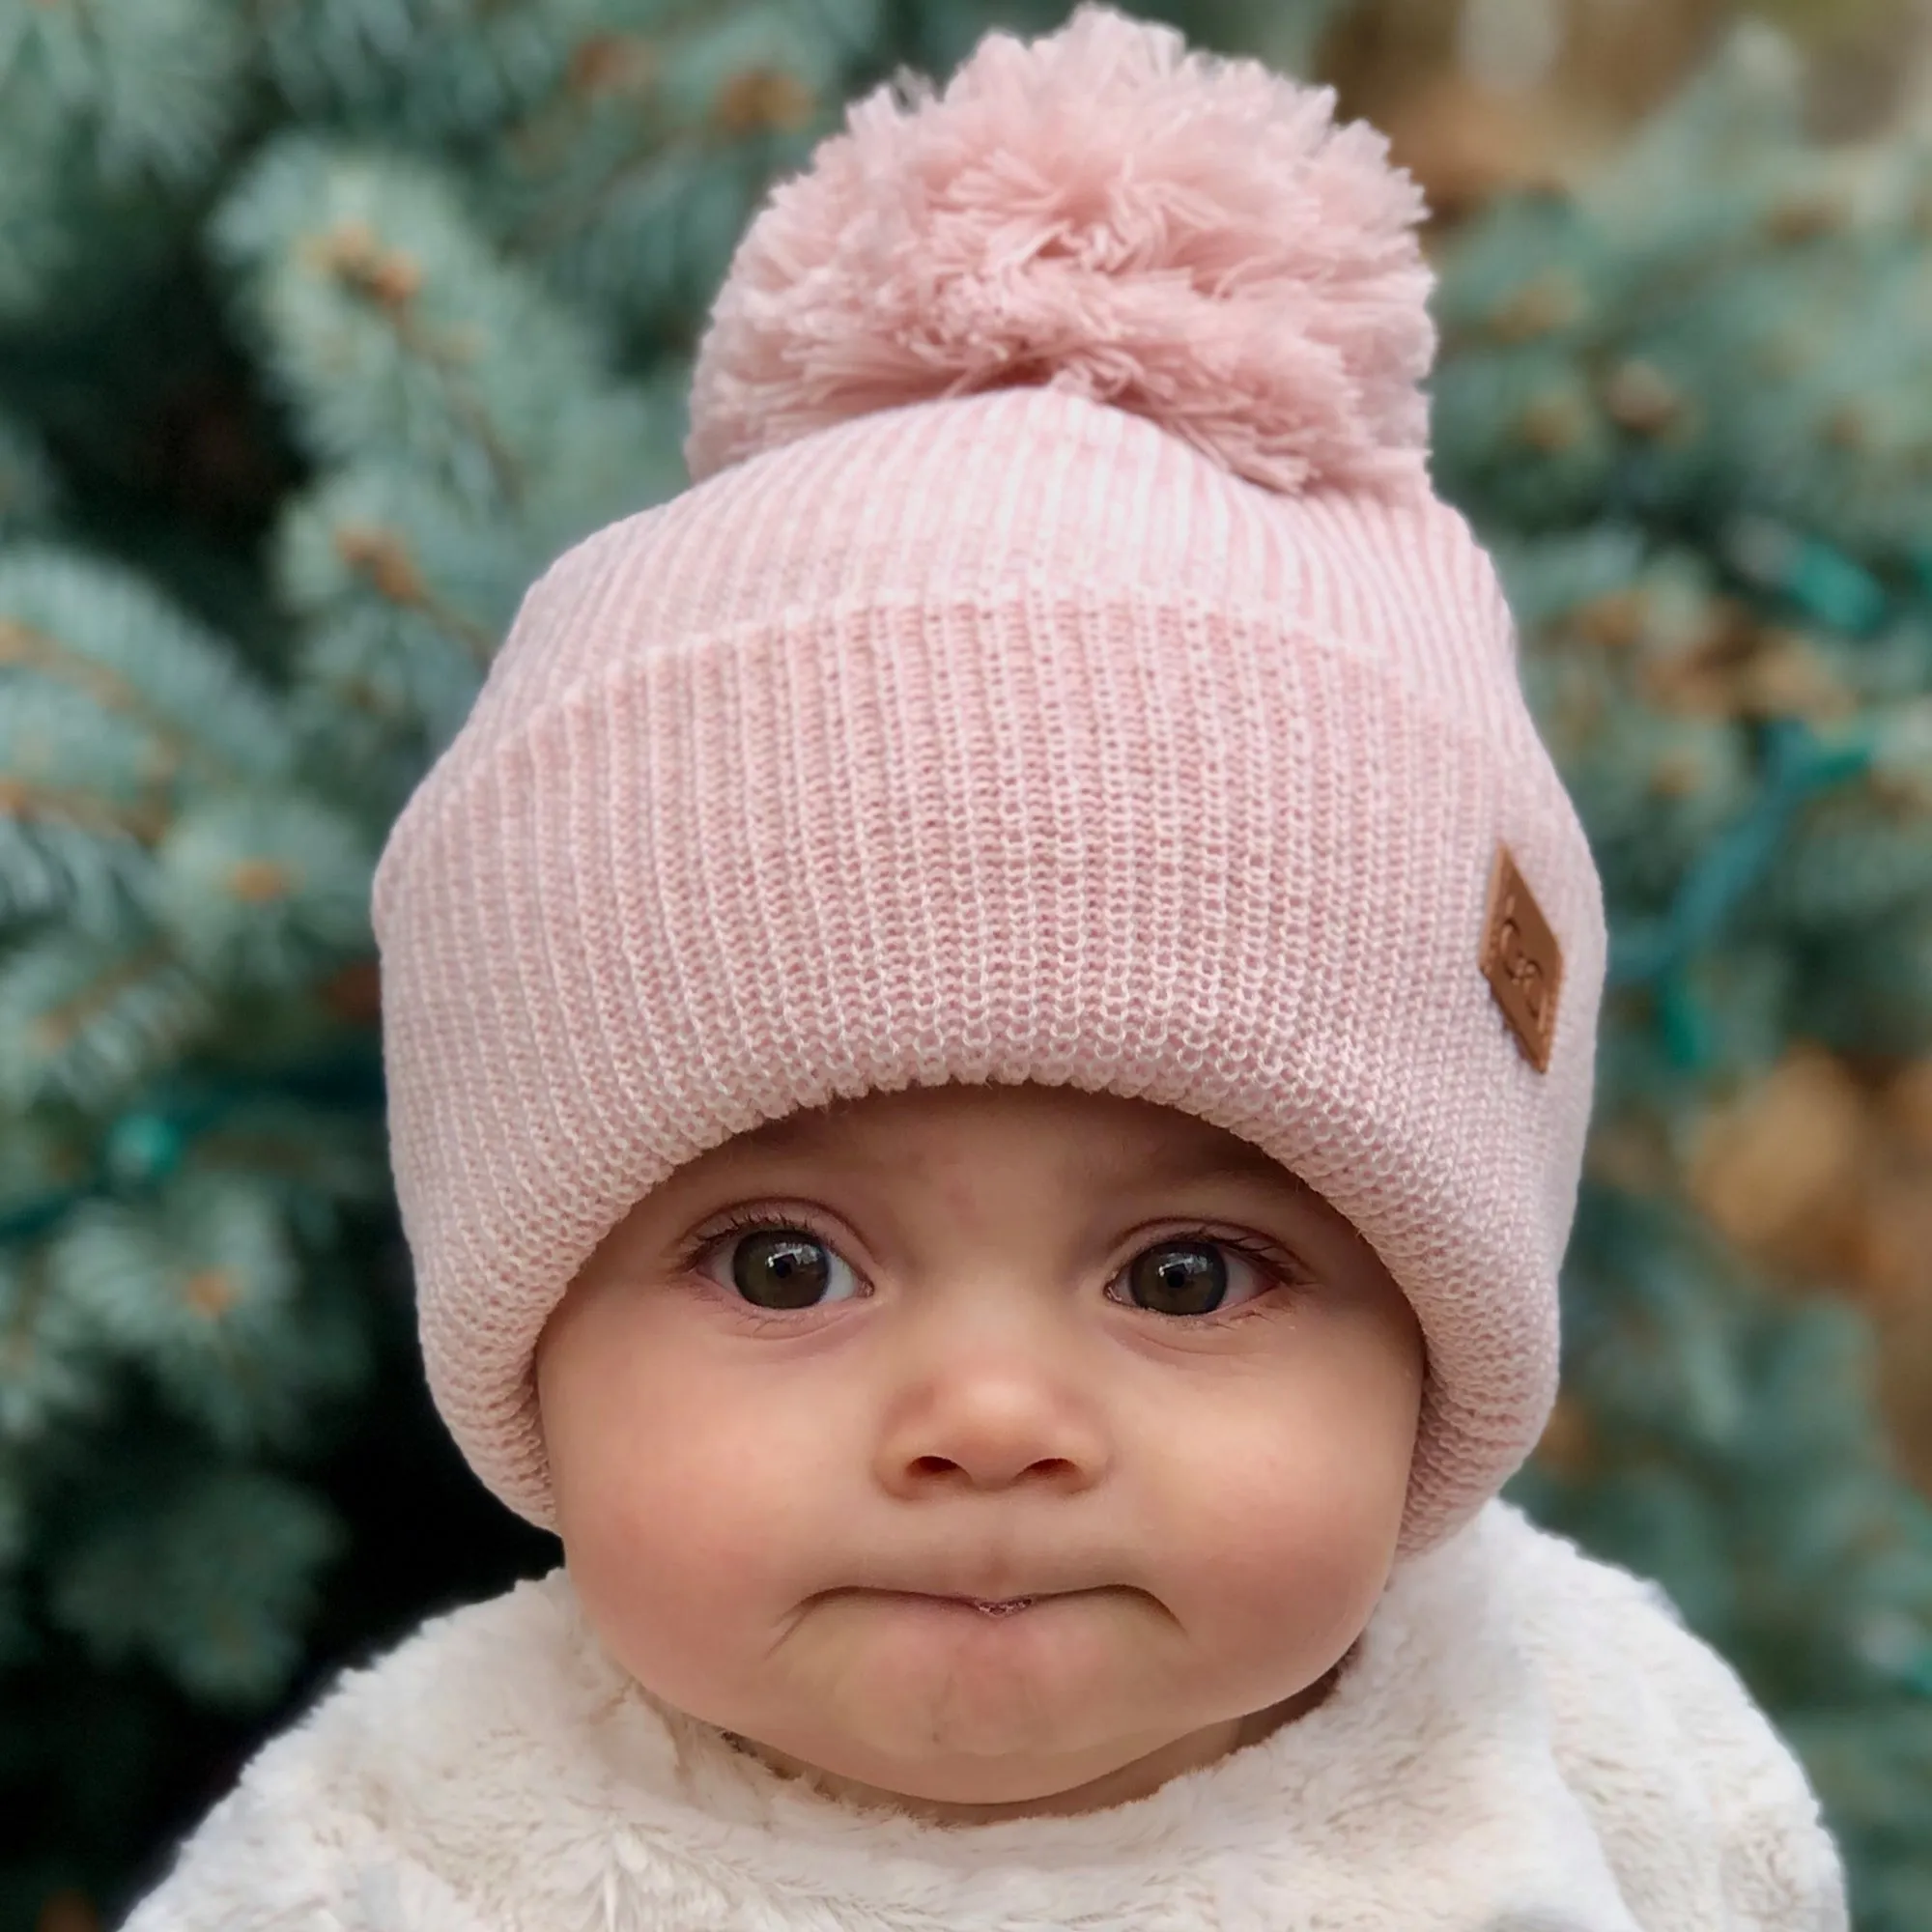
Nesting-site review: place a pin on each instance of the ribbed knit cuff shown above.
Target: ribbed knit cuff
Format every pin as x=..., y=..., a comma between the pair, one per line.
x=1130, y=844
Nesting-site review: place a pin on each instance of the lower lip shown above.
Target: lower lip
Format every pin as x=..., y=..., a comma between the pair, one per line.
x=986, y=1612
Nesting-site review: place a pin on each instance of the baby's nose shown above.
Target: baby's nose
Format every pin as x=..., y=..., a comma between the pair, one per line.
x=990, y=1425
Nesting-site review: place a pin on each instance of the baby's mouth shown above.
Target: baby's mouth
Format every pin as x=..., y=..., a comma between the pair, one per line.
x=987, y=1606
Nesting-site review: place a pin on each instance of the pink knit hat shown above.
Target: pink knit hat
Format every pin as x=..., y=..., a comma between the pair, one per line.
x=1059, y=671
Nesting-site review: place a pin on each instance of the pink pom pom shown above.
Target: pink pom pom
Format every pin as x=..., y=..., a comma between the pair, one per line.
x=1101, y=211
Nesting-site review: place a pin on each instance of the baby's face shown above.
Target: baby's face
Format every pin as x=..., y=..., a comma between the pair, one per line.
x=841, y=1378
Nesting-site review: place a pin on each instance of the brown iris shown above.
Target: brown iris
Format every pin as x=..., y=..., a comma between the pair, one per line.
x=1179, y=1278
x=781, y=1268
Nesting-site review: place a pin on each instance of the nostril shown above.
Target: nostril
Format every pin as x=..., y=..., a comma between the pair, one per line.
x=1053, y=1467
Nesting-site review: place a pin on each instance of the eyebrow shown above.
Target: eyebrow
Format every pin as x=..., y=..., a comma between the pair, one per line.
x=1243, y=1163
x=781, y=1135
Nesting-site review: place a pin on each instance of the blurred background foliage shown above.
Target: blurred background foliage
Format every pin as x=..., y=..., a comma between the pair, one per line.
x=324, y=323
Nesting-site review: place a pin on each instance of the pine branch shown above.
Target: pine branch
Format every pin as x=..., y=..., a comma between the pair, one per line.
x=393, y=330
x=208, y=1571
x=110, y=117
x=27, y=486
x=634, y=172
x=264, y=889
x=200, y=1287
x=153, y=87
x=99, y=627
x=84, y=1021
x=51, y=1373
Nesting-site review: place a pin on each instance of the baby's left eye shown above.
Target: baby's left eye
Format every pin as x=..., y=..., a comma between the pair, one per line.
x=1189, y=1275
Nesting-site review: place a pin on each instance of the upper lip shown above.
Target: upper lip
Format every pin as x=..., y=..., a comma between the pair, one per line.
x=1005, y=1595
x=978, y=1590
x=991, y=1580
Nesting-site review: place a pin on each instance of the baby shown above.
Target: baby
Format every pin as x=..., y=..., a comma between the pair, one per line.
x=986, y=1450
x=990, y=1029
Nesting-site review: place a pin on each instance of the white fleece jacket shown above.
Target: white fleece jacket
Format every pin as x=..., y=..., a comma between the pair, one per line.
x=1526, y=1741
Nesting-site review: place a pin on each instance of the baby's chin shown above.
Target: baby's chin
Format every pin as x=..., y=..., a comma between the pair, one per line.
x=987, y=1786
x=928, y=1679
x=939, y=1752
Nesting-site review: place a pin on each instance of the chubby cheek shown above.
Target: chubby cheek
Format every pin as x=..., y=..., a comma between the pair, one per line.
x=1284, y=1525
x=686, y=1502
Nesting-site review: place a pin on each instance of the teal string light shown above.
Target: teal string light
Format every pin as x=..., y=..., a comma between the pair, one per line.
x=147, y=1145
x=143, y=1149
x=1682, y=1022
x=1815, y=577
x=1827, y=585
x=1798, y=766
x=1917, y=1676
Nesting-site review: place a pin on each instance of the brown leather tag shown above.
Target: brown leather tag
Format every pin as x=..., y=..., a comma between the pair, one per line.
x=1522, y=961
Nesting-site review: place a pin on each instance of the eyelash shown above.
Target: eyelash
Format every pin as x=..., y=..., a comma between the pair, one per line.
x=1272, y=1263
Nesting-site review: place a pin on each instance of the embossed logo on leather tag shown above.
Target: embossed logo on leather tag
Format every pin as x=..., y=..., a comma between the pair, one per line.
x=1522, y=961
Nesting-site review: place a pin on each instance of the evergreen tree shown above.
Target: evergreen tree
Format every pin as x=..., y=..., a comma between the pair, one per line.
x=1688, y=408
x=325, y=326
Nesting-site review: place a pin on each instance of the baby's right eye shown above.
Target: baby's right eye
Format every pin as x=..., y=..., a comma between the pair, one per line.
x=781, y=1268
